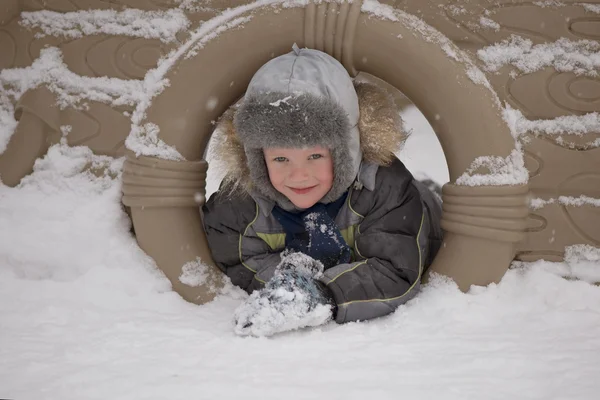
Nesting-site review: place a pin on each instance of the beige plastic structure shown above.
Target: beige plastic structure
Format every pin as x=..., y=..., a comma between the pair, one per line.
x=486, y=227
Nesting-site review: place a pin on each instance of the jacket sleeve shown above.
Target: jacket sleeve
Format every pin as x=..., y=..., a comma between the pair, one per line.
x=245, y=258
x=391, y=245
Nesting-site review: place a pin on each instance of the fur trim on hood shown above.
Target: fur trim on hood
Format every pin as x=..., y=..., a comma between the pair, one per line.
x=379, y=124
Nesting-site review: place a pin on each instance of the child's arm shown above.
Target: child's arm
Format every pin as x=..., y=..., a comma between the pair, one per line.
x=392, y=245
x=249, y=264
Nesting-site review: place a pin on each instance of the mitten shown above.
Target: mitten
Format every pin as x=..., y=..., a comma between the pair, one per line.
x=292, y=299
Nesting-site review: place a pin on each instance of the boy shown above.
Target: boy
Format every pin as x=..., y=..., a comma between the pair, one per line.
x=317, y=218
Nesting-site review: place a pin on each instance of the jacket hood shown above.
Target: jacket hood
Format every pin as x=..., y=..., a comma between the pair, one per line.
x=301, y=99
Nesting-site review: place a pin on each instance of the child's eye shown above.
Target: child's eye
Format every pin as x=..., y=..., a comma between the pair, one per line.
x=280, y=159
x=315, y=156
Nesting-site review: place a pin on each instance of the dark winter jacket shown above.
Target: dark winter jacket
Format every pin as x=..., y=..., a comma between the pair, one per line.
x=392, y=229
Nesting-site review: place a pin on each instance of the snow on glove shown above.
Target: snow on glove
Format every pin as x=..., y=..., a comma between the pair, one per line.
x=292, y=299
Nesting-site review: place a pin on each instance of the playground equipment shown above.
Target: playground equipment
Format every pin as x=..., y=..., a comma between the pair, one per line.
x=486, y=227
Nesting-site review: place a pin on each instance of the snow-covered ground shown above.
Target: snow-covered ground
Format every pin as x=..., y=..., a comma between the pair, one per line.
x=84, y=314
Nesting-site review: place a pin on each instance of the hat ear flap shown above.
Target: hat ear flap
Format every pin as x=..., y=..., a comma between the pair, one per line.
x=380, y=125
x=228, y=151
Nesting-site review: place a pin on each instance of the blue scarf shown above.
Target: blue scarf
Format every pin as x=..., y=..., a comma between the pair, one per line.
x=314, y=232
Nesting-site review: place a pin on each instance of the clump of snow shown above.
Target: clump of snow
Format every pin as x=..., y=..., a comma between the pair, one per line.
x=580, y=201
x=595, y=8
x=144, y=140
x=549, y=3
x=577, y=125
x=278, y=102
x=538, y=202
x=478, y=77
x=65, y=130
x=8, y=124
x=489, y=23
x=382, y=11
x=580, y=57
x=194, y=273
x=500, y=171
x=455, y=10
x=283, y=311
x=71, y=89
x=162, y=25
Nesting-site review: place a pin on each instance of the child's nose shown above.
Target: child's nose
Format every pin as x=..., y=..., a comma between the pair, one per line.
x=298, y=173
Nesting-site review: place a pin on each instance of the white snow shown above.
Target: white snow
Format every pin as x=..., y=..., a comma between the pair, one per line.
x=581, y=57
x=382, y=11
x=144, y=140
x=496, y=170
x=549, y=3
x=8, y=124
x=595, y=8
x=422, y=152
x=162, y=25
x=537, y=203
x=194, y=273
x=569, y=125
x=489, y=23
x=85, y=314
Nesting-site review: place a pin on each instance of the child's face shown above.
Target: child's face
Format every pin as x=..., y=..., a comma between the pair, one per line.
x=304, y=175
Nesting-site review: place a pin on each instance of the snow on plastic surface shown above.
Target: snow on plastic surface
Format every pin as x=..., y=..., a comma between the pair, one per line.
x=194, y=273
x=549, y=3
x=71, y=89
x=581, y=57
x=568, y=125
x=162, y=25
x=144, y=140
x=595, y=8
x=8, y=124
x=496, y=170
x=197, y=273
x=537, y=203
x=489, y=23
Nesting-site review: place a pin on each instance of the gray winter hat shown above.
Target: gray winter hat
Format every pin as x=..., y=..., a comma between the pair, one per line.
x=301, y=99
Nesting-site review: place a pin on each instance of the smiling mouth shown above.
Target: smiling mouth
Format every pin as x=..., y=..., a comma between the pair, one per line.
x=302, y=190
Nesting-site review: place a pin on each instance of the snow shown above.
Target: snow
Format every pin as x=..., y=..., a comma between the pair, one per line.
x=496, y=171
x=194, y=273
x=571, y=201
x=290, y=300
x=144, y=140
x=162, y=25
x=71, y=89
x=8, y=124
x=595, y=8
x=85, y=314
x=581, y=57
x=422, y=152
x=549, y=3
x=383, y=11
x=489, y=23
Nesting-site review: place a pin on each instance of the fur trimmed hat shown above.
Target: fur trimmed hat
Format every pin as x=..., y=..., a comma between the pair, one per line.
x=302, y=99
